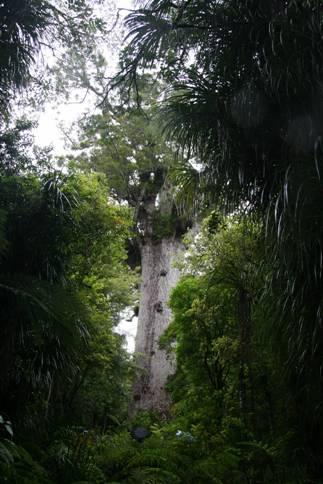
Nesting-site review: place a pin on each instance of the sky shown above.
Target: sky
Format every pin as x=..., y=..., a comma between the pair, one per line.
x=54, y=117
x=50, y=133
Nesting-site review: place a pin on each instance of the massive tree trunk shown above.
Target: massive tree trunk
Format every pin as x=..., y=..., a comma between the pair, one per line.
x=159, y=231
x=159, y=276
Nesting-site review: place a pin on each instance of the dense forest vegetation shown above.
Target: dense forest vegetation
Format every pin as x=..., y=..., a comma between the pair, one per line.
x=201, y=157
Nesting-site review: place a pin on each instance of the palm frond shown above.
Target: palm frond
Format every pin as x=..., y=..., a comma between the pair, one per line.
x=48, y=324
x=187, y=181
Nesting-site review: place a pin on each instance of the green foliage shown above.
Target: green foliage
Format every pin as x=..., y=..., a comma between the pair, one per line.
x=16, y=464
x=60, y=289
x=162, y=225
x=228, y=390
x=166, y=225
x=162, y=458
x=248, y=108
x=128, y=148
x=245, y=110
x=71, y=457
x=16, y=155
x=126, y=143
x=23, y=23
x=67, y=31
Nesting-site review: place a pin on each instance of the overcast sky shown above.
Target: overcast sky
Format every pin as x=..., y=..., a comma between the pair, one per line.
x=54, y=116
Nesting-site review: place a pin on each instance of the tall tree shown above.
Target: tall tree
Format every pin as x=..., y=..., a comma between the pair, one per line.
x=129, y=148
x=246, y=98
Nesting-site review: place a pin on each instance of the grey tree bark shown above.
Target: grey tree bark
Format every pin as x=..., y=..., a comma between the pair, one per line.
x=159, y=276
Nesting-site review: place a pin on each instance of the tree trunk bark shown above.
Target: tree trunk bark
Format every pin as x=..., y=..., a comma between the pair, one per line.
x=159, y=276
